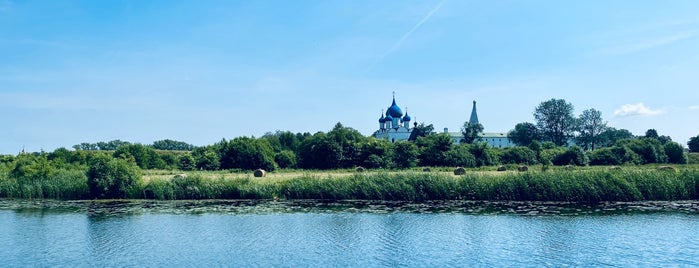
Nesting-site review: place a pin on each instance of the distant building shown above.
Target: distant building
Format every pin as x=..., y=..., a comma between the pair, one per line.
x=394, y=126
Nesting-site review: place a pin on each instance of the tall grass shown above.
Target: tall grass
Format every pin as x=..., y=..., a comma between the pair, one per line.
x=64, y=184
x=582, y=185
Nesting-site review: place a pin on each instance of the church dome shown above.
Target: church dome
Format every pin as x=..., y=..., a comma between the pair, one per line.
x=406, y=118
x=394, y=110
x=382, y=119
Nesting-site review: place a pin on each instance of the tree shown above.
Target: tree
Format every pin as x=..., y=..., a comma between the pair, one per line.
x=405, y=154
x=172, y=145
x=555, y=120
x=611, y=135
x=421, y=130
x=109, y=177
x=518, y=155
x=693, y=144
x=652, y=133
x=459, y=155
x=248, y=153
x=433, y=149
x=484, y=154
x=186, y=162
x=590, y=125
x=675, y=153
x=524, y=134
x=471, y=132
x=286, y=159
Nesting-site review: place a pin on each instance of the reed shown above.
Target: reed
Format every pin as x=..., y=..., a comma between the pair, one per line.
x=585, y=185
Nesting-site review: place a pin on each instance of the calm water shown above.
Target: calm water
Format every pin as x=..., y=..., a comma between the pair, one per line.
x=76, y=238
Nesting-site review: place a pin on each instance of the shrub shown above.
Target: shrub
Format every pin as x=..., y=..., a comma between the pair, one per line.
x=675, y=153
x=186, y=162
x=111, y=177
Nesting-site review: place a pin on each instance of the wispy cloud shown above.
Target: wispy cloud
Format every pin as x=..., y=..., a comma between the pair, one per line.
x=694, y=107
x=643, y=45
x=636, y=109
x=407, y=34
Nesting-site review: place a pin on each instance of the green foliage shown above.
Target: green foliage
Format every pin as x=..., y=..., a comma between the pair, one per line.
x=286, y=159
x=405, y=154
x=572, y=156
x=524, y=134
x=248, y=153
x=421, y=130
x=555, y=121
x=434, y=149
x=206, y=158
x=590, y=125
x=518, y=155
x=611, y=136
x=376, y=153
x=603, y=156
x=675, y=153
x=460, y=155
x=320, y=152
x=470, y=132
x=484, y=154
x=693, y=144
x=172, y=145
x=649, y=150
x=186, y=162
x=112, y=177
x=145, y=156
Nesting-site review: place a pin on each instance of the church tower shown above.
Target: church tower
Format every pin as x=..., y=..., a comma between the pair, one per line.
x=474, y=115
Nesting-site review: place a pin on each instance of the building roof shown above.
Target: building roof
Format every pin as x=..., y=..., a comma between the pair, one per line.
x=394, y=111
x=474, y=116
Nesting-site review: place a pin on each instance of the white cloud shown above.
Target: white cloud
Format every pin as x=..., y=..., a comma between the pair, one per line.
x=694, y=107
x=636, y=109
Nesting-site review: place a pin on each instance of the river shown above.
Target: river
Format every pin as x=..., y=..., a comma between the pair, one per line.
x=227, y=234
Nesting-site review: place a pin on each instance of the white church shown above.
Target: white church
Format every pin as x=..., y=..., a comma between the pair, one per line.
x=394, y=126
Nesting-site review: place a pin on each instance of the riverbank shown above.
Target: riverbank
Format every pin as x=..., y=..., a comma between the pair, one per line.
x=99, y=208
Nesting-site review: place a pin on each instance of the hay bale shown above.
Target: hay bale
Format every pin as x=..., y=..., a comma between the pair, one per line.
x=360, y=169
x=570, y=167
x=459, y=171
x=502, y=168
x=179, y=176
x=260, y=173
x=426, y=169
x=522, y=168
x=615, y=168
x=667, y=168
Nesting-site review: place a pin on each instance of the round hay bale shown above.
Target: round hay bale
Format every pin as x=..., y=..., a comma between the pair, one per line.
x=667, y=168
x=426, y=169
x=570, y=167
x=459, y=171
x=615, y=168
x=522, y=168
x=360, y=169
x=260, y=173
x=502, y=168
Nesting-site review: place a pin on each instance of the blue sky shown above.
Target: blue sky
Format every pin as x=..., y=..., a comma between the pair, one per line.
x=199, y=71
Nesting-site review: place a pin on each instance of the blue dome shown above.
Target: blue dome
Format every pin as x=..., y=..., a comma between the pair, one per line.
x=406, y=118
x=394, y=110
x=382, y=119
x=388, y=118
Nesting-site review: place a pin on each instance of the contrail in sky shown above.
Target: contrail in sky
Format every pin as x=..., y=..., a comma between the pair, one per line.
x=406, y=35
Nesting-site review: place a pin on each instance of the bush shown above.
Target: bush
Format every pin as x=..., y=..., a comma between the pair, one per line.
x=186, y=162
x=675, y=153
x=518, y=155
x=112, y=177
x=604, y=156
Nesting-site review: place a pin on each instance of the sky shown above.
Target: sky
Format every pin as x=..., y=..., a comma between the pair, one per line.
x=200, y=71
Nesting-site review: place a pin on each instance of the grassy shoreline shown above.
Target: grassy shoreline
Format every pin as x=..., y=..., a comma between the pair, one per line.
x=581, y=185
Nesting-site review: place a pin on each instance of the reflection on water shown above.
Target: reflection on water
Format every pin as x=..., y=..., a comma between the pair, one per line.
x=76, y=237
